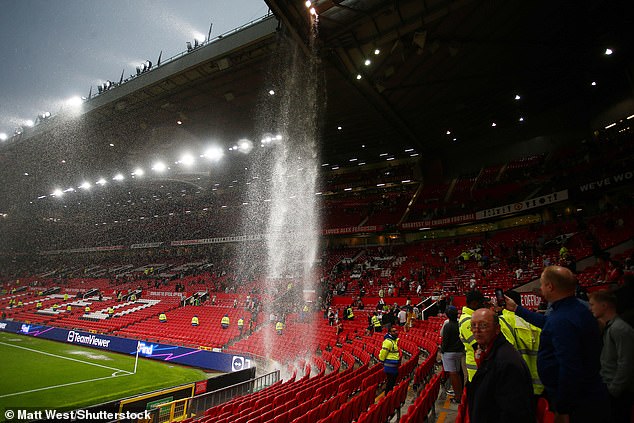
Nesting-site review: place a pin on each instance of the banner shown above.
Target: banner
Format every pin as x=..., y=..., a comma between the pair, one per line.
x=536, y=202
x=86, y=249
x=146, y=245
x=606, y=183
x=430, y=223
x=352, y=230
x=531, y=301
x=219, y=240
x=164, y=352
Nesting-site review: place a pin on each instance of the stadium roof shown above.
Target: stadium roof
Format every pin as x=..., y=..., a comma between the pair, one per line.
x=444, y=70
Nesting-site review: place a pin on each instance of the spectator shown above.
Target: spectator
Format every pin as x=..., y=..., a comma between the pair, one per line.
x=625, y=300
x=570, y=347
x=527, y=341
x=501, y=388
x=453, y=354
x=376, y=322
x=390, y=356
x=476, y=300
x=617, y=355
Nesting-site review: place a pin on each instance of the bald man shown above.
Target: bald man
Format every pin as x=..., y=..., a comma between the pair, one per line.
x=569, y=350
x=501, y=389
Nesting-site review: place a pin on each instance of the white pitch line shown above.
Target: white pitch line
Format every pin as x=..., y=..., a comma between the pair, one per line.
x=65, y=358
x=62, y=385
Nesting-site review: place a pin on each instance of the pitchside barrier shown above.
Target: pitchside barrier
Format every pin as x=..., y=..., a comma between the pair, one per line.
x=201, y=358
x=195, y=407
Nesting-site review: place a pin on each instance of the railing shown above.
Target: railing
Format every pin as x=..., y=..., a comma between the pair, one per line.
x=200, y=403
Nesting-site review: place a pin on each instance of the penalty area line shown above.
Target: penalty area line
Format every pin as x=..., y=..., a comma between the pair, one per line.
x=66, y=358
x=62, y=385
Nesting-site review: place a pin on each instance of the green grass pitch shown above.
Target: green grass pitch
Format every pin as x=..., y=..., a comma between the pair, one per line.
x=38, y=373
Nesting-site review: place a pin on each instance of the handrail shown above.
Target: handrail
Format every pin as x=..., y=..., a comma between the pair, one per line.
x=200, y=403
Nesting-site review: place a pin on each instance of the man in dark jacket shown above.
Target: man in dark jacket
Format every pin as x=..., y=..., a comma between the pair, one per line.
x=501, y=388
x=568, y=360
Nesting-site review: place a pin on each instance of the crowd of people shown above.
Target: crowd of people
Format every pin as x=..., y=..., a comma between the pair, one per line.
x=577, y=355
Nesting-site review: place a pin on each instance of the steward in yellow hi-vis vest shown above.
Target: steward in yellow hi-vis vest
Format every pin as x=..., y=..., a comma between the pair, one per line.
x=390, y=356
x=224, y=322
x=527, y=337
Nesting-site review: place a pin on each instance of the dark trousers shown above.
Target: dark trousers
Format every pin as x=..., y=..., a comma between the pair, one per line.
x=391, y=381
x=621, y=409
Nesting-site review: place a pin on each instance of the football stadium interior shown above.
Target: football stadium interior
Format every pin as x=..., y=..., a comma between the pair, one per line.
x=192, y=240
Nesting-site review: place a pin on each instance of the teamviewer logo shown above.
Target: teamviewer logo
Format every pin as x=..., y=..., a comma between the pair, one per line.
x=237, y=363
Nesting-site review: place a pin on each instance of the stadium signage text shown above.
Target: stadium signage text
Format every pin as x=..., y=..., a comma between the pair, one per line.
x=617, y=179
x=77, y=338
x=146, y=245
x=164, y=352
x=439, y=222
x=352, y=229
x=531, y=300
x=219, y=240
x=542, y=201
x=146, y=349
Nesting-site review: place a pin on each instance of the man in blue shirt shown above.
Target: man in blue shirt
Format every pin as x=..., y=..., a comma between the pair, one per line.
x=570, y=346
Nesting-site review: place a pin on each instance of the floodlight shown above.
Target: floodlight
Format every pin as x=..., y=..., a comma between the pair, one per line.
x=29, y=123
x=138, y=172
x=74, y=101
x=187, y=159
x=3, y=136
x=244, y=146
x=271, y=92
x=199, y=37
x=71, y=189
x=214, y=153
x=86, y=185
x=118, y=177
x=308, y=4
x=57, y=193
x=159, y=167
x=101, y=181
